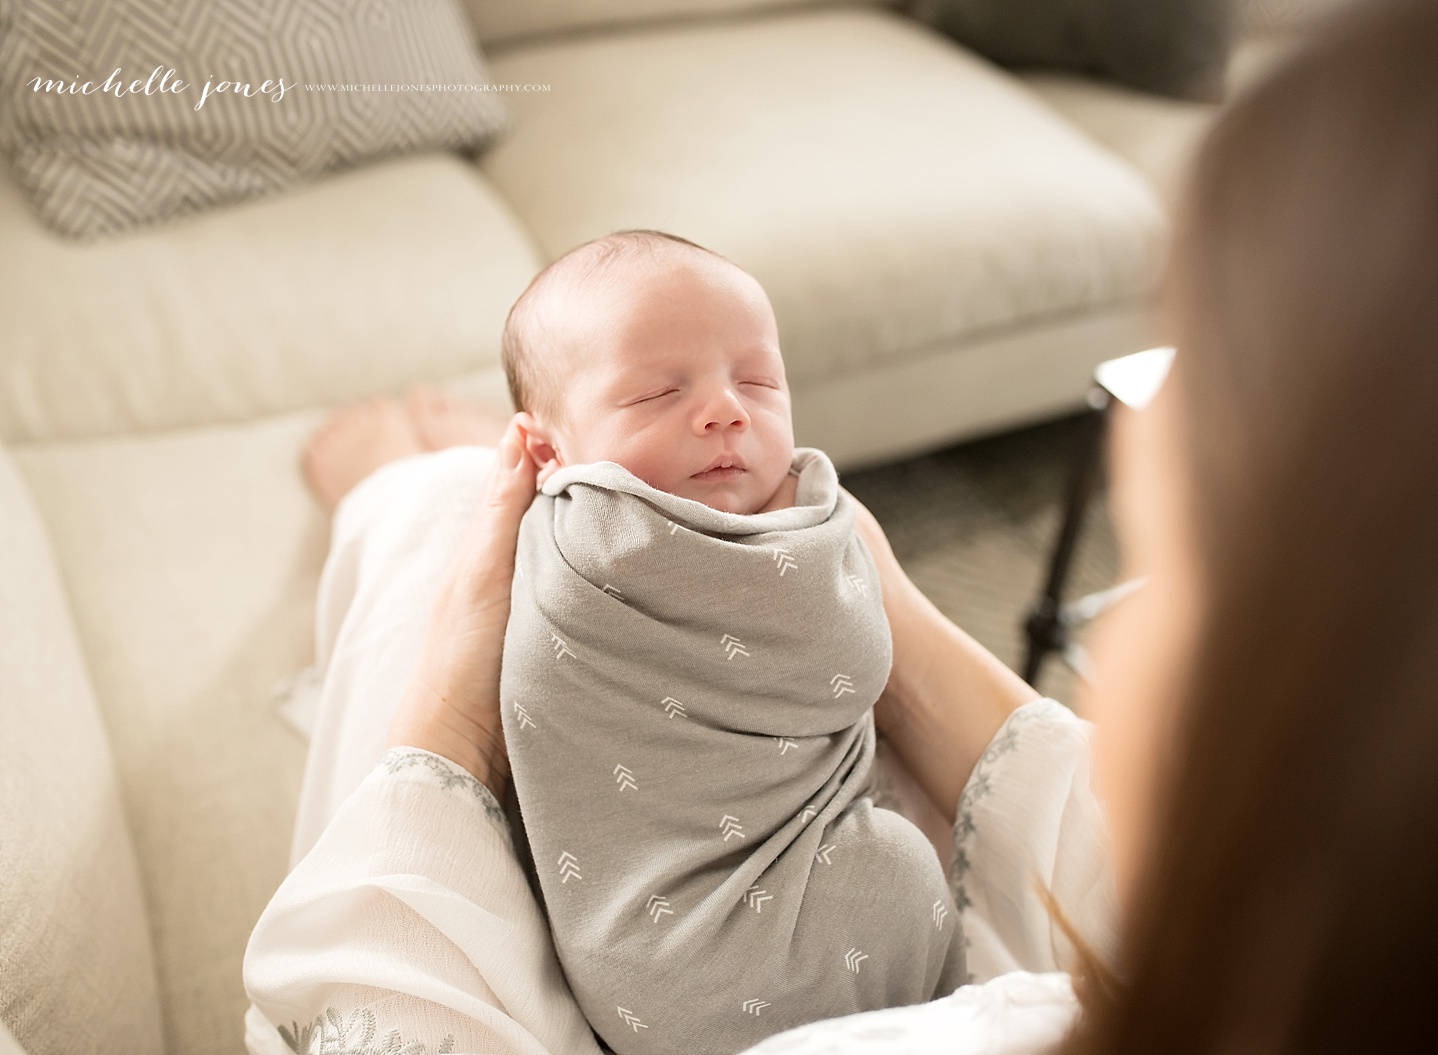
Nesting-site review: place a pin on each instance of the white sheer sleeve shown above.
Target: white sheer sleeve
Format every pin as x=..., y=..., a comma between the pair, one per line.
x=410, y=927
x=406, y=926
x=1029, y=818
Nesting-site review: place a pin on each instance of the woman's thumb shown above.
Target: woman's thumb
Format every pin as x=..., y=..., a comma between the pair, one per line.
x=511, y=484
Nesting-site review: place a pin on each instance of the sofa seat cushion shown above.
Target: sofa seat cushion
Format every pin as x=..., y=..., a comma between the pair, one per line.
x=368, y=281
x=192, y=559
x=76, y=971
x=893, y=193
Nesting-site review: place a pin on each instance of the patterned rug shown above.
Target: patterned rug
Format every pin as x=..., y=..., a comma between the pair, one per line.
x=973, y=525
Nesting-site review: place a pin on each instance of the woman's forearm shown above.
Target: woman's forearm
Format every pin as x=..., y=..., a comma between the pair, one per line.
x=947, y=695
x=946, y=699
x=428, y=721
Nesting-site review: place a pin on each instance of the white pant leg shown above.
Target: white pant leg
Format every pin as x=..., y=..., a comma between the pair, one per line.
x=393, y=538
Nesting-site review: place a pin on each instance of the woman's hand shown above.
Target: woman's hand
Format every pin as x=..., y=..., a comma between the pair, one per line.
x=451, y=706
x=947, y=695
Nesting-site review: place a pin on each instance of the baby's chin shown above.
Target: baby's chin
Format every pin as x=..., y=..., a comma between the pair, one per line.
x=726, y=499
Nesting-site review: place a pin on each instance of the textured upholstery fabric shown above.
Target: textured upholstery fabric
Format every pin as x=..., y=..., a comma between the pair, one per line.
x=192, y=562
x=496, y=21
x=76, y=973
x=125, y=148
x=366, y=282
x=894, y=195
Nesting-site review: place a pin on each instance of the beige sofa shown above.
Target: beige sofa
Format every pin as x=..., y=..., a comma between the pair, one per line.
x=949, y=249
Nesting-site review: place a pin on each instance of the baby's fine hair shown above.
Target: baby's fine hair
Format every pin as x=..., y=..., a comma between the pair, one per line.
x=527, y=346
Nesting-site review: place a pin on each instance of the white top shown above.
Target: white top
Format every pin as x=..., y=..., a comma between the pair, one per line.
x=407, y=923
x=411, y=916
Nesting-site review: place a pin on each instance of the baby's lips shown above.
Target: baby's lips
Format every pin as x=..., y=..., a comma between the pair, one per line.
x=733, y=460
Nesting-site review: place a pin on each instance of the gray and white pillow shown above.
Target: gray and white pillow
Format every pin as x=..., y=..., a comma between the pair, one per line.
x=100, y=162
x=1173, y=47
x=1263, y=15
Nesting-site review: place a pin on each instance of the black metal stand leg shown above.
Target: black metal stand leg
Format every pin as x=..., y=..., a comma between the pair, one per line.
x=1043, y=628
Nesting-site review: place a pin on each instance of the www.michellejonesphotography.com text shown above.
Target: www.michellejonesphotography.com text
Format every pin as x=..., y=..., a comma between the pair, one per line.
x=161, y=81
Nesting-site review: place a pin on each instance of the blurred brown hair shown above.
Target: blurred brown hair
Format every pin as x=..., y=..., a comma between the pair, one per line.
x=1290, y=903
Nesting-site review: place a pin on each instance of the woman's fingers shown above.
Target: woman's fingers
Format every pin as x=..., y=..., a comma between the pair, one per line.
x=452, y=705
x=487, y=566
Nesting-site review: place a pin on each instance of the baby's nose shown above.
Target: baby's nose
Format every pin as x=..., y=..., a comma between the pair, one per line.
x=736, y=422
x=726, y=411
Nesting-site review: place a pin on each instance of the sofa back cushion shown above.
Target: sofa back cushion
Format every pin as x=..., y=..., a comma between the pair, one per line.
x=368, y=281
x=76, y=970
x=499, y=21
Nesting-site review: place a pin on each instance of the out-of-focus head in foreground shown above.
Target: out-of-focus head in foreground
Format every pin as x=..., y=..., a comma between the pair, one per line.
x=1268, y=706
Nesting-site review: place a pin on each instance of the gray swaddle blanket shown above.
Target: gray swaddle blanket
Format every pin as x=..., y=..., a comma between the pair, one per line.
x=687, y=699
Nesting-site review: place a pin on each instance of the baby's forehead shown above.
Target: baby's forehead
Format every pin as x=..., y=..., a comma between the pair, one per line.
x=606, y=268
x=591, y=289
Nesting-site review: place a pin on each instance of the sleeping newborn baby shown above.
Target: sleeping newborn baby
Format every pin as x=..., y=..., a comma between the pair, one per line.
x=696, y=643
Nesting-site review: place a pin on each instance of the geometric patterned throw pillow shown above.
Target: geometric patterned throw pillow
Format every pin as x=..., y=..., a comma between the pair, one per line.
x=118, y=113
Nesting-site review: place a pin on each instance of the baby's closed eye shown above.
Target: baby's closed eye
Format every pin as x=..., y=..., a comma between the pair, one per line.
x=654, y=396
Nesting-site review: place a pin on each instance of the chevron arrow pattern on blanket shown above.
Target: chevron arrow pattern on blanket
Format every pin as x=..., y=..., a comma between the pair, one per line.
x=755, y=898
x=568, y=867
x=735, y=647
x=760, y=736
x=525, y=721
x=631, y=1019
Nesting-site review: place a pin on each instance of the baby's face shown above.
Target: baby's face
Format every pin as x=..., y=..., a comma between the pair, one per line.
x=674, y=372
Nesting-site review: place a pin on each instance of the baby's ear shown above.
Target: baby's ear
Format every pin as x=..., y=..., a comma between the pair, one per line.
x=539, y=442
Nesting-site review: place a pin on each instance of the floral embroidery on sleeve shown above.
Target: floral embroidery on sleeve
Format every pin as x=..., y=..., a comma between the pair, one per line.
x=334, y=1034
x=448, y=775
x=980, y=785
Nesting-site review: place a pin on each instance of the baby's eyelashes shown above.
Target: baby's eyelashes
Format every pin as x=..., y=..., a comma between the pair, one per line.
x=654, y=396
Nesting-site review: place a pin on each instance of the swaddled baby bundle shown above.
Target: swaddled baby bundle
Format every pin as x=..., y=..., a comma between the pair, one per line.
x=687, y=701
